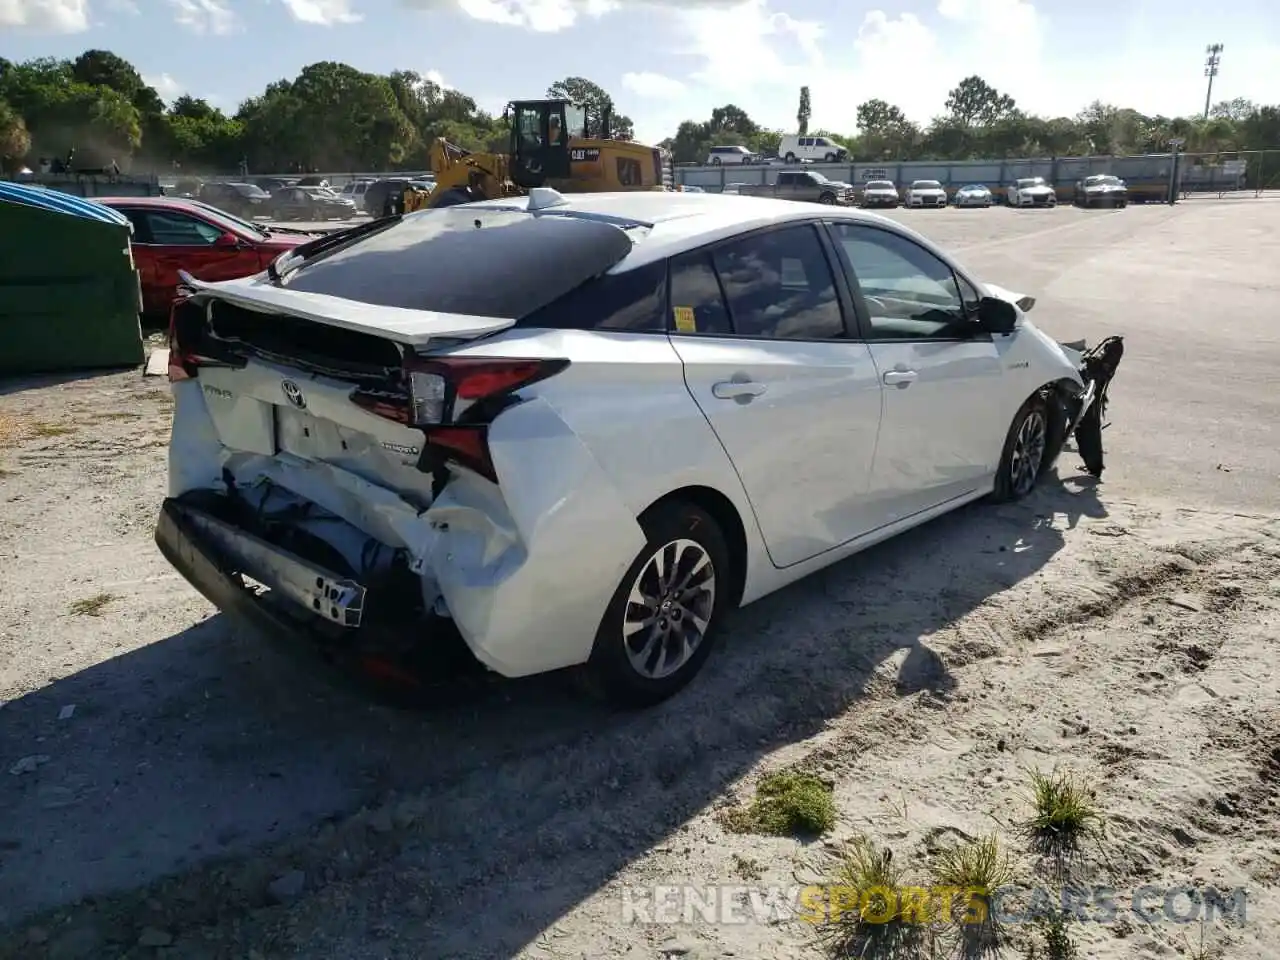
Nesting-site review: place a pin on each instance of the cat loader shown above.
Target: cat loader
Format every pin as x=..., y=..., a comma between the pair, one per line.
x=551, y=145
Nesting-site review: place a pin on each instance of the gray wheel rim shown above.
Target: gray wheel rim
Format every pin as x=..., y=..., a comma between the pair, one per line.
x=669, y=609
x=1028, y=453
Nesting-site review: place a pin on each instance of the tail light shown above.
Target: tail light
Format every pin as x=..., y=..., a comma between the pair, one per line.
x=434, y=390
x=182, y=314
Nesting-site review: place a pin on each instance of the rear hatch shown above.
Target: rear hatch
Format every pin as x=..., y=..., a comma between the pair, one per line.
x=337, y=353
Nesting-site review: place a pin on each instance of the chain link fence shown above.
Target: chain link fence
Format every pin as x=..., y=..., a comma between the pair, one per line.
x=1226, y=174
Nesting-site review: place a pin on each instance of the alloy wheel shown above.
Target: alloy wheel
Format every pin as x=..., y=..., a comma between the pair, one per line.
x=669, y=609
x=1028, y=453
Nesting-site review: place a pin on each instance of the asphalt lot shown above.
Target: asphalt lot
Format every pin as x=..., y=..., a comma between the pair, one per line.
x=189, y=742
x=1195, y=409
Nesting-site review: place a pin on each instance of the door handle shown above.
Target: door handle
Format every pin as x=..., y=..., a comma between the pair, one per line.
x=736, y=390
x=900, y=378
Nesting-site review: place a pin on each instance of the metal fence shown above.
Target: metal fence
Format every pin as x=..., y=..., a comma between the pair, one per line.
x=1156, y=177
x=1237, y=173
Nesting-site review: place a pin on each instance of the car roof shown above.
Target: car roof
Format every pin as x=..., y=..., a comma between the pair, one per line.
x=679, y=221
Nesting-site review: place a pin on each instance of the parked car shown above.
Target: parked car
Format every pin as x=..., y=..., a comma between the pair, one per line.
x=577, y=440
x=726, y=155
x=186, y=188
x=272, y=184
x=172, y=234
x=808, y=185
x=245, y=199
x=312, y=181
x=690, y=188
x=355, y=189
x=794, y=147
x=1032, y=192
x=734, y=187
x=880, y=193
x=311, y=203
x=376, y=194
x=926, y=193
x=973, y=195
x=1101, y=190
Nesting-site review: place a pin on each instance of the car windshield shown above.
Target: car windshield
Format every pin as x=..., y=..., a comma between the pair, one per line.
x=879, y=185
x=1031, y=182
x=225, y=220
x=1102, y=179
x=820, y=178
x=973, y=188
x=926, y=185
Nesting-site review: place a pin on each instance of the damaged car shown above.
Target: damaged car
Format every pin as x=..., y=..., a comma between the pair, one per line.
x=573, y=432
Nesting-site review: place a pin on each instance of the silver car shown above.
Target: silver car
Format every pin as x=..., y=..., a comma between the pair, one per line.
x=973, y=195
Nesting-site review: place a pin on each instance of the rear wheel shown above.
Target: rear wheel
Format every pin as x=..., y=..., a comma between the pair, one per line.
x=715, y=161
x=1024, y=457
x=659, y=627
x=790, y=158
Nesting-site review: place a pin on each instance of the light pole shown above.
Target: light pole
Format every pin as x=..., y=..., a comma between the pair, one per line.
x=1213, y=56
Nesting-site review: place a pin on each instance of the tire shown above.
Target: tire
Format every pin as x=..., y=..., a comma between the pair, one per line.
x=1013, y=480
x=790, y=158
x=611, y=672
x=829, y=158
x=827, y=198
x=715, y=161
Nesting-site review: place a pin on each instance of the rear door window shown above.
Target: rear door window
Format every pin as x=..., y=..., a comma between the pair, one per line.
x=179, y=230
x=697, y=305
x=779, y=285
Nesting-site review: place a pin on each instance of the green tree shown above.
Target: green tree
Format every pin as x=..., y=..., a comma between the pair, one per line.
x=14, y=139
x=974, y=102
x=804, y=113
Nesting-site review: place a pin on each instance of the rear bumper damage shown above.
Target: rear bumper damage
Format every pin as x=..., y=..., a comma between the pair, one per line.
x=315, y=555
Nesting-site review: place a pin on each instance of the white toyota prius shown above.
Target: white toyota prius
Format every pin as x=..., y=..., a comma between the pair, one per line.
x=574, y=431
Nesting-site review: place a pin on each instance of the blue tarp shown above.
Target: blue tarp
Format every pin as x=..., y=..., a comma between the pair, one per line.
x=59, y=202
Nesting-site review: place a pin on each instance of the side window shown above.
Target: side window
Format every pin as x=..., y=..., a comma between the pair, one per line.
x=697, y=305
x=177, y=230
x=779, y=286
x=629, y=302
x=910, y=293
x=628, y=172
x=141, y=231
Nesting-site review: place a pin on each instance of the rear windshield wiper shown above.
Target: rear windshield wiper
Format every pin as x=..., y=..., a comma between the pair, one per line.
x=287, y=263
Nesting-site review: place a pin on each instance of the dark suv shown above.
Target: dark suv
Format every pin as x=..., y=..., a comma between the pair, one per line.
x=379, y=192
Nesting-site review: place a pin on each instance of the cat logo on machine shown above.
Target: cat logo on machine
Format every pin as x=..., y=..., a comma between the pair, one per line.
x=584, y=154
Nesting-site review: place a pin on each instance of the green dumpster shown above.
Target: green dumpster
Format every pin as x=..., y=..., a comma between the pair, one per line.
x=69, y=291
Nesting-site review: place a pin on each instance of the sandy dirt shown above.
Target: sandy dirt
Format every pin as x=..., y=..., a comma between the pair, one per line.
x=171, y=789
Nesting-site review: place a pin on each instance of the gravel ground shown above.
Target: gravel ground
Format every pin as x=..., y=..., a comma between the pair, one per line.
x=172, y=789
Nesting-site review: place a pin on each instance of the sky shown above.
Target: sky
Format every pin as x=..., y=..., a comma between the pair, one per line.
x=665, y=61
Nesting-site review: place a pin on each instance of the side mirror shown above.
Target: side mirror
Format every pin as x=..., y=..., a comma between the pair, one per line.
x=996, y=315
x=228, y=241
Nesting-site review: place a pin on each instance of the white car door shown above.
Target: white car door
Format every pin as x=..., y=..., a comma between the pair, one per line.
x=760, y=324
x=944, y=419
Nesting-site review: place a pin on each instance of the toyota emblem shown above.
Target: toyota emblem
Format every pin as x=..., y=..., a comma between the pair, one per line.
x=293, y=393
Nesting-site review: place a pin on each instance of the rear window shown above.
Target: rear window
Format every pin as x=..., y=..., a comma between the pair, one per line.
x=633, y=301
x=479, y=262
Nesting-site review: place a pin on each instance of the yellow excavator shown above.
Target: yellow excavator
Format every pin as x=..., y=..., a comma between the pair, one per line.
x=551, y=145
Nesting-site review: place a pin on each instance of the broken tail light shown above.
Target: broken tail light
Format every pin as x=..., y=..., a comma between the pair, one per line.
x=184, y=320
x=430, y=396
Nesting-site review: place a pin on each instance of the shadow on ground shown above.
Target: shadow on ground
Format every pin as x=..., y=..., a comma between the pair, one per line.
x=204, y=745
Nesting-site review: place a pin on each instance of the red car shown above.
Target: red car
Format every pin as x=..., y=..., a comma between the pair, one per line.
x=172, y=234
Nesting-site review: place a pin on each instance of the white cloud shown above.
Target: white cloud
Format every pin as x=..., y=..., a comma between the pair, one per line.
x=123, y=6
x=542, y=16
x=165, y=85
x=652, y=85
x=757, y=56
x=436, y=77
x=46, y=16
x=205, y=16
x=324, y=13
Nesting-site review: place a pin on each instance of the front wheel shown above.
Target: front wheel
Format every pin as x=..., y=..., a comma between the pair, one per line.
x=659, y=627
x=1024, y=459
x=827, y=198
x=715, y=161
x=790, y=158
